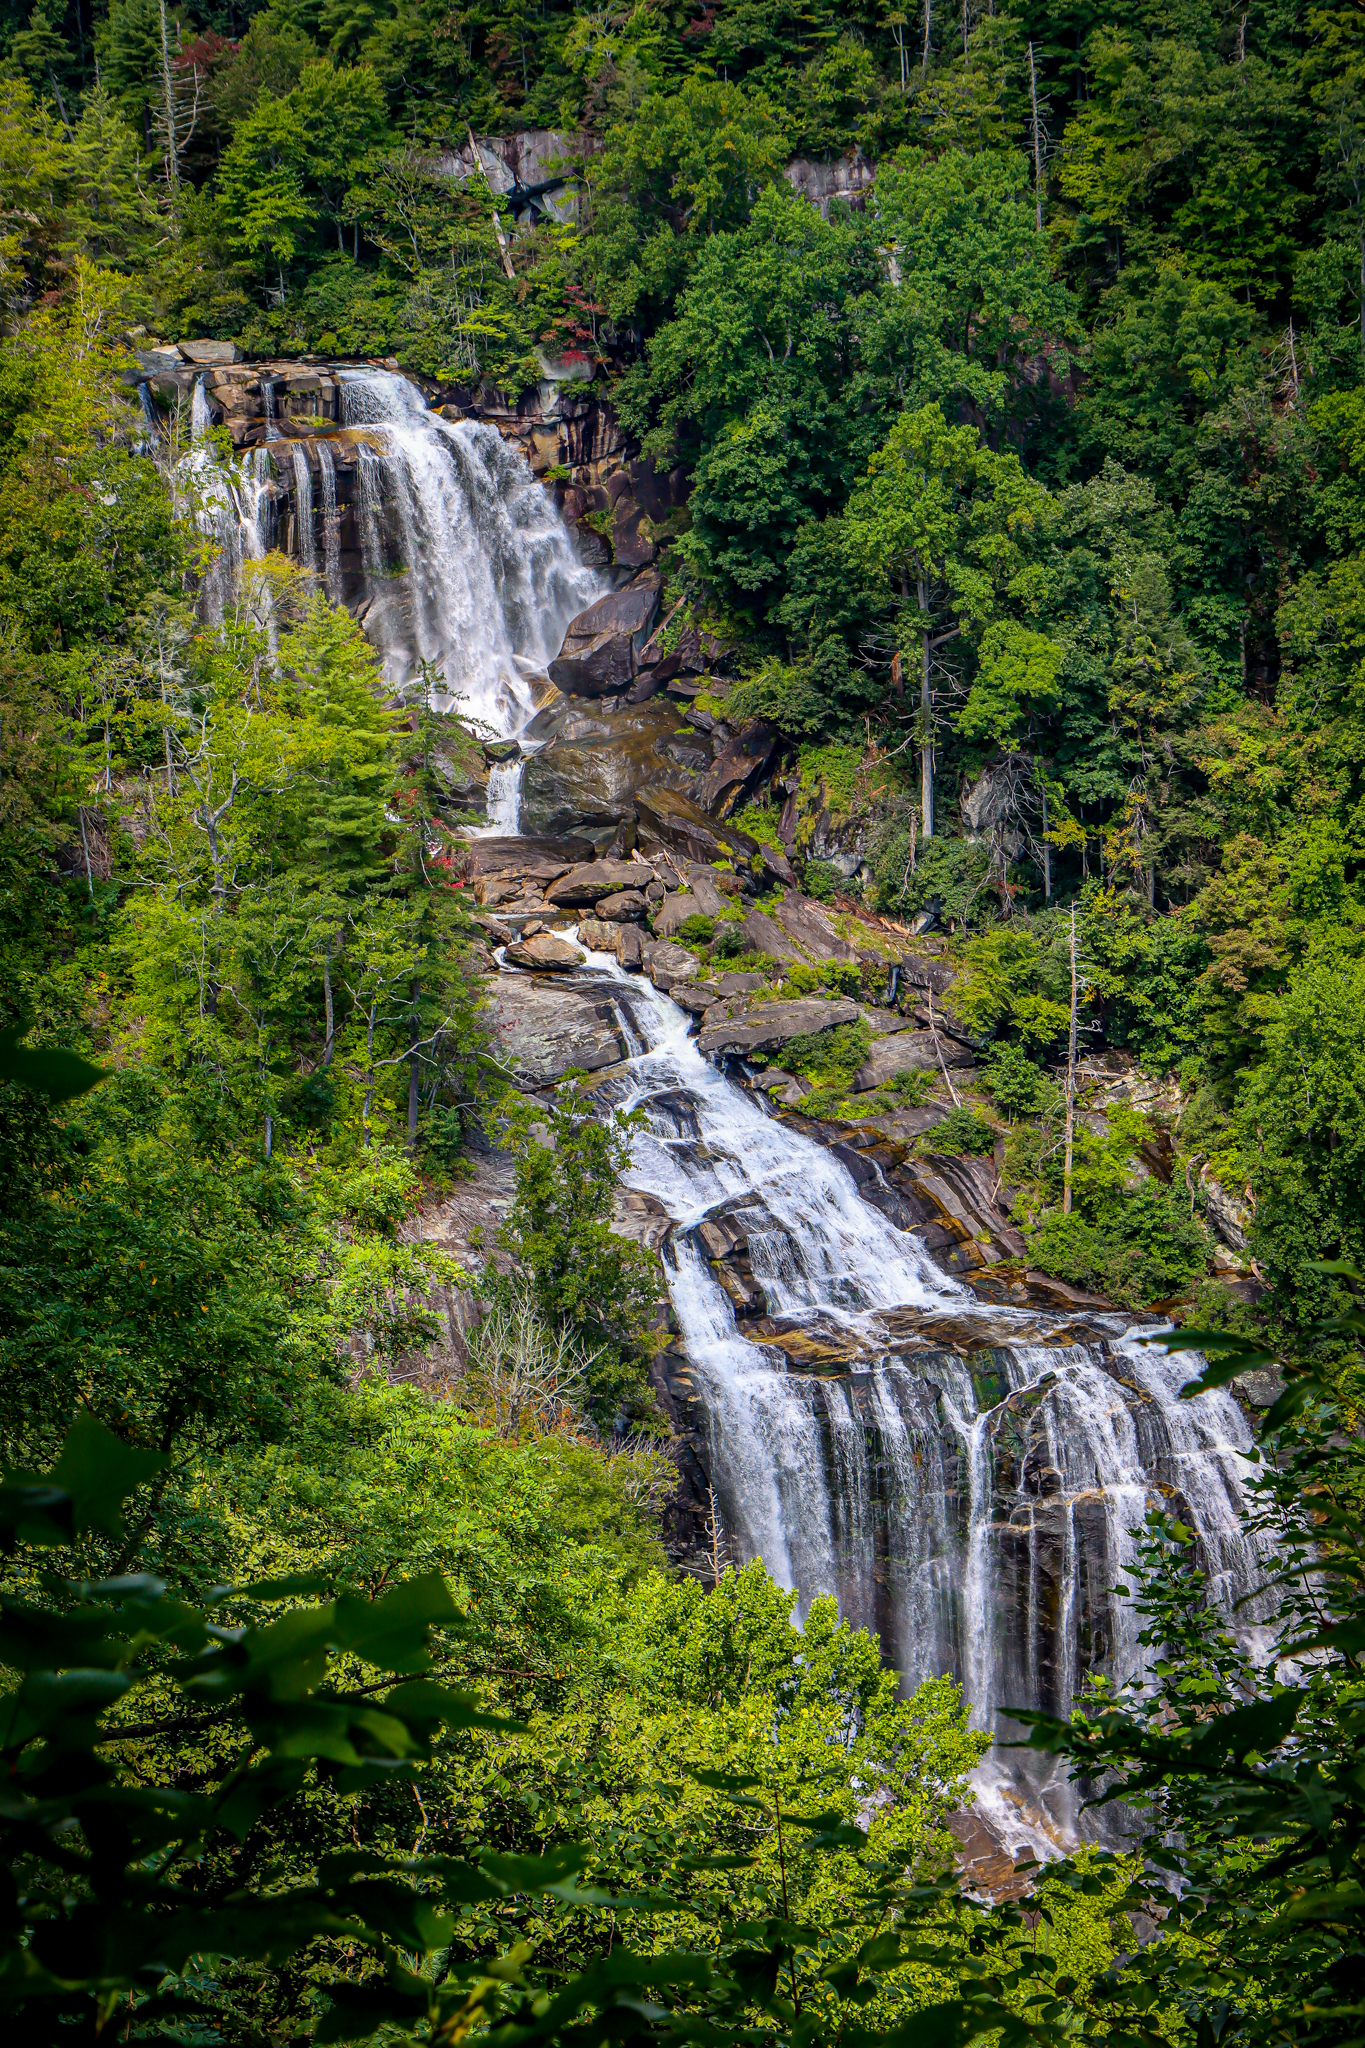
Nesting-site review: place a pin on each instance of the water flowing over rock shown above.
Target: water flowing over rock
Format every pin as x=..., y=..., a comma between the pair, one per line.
x=968, y=1481
x=436, y=532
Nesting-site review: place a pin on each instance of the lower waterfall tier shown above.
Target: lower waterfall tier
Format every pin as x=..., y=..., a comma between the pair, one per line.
x=970, y=1482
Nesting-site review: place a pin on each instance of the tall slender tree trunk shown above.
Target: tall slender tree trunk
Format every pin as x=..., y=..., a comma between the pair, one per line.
x=1047, y=850
x=369, y=1075
x=414, y=1032
x=172, y=149
x=1037, y=141
x=1070, y=1080
x=926, y=752
x=327, y=1007
x=928, y=24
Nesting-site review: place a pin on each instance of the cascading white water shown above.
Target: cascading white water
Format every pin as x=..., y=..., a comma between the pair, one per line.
x=229, y=501
x=305, y=541
x=470, y=574
x=976, y=1510
x=482, y=567
x=331, y=525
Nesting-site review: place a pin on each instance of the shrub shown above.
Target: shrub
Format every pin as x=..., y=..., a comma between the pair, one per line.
x=962, y=1130
x=821, y=881
x=1017, y=1087
x=731, y=943
x=1138, y=1250
x=697, y=930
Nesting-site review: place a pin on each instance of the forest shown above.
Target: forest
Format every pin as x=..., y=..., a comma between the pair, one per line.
x=1027, y=499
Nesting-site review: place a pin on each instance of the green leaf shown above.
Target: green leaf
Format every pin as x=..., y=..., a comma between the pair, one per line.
x=60, y=1076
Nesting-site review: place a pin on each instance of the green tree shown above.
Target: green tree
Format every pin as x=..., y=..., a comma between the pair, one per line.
x=948, y=524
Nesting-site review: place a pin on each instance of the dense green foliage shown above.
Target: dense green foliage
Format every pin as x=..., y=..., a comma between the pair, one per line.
x=1026, y=501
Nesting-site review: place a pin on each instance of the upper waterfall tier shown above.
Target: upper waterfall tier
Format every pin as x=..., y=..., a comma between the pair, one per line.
x=435, y=531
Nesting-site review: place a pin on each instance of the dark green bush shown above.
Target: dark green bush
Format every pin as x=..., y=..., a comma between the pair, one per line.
x=1142, y=1249
x=962, y=1130
x=697, y=930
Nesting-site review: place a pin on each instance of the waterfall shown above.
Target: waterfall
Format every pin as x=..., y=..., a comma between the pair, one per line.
x=231, y=505
x=470, y=566
x=470, y=575
x=976, y=1508
x=305, y=541
x=331, y=524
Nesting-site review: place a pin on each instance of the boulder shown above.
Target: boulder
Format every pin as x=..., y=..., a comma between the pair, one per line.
x=601, y=646
x=593, y=764
x=761, y=935
x=805, y=922
x=669, y=819
x=209, y=351
x=588, y=884
x=540, y=1030
x=600, y=937
x=533, y=859
x=627, y=905
x=765, y=1026
x=902, y=1052
x=696, y=996
x=669, y=964
x=705, y=886
x=741, y=984
x=672, y=914
x=630, y=948
x=545, y=954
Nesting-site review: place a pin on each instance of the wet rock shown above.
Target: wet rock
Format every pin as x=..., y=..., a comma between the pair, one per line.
x=761, y=935
x=588, y=884
x=902, y=1052
x=628, y=904
x=545, y=953
x=540, y=1030
x=766, y=1026
x=599, y=656
x=669, y=964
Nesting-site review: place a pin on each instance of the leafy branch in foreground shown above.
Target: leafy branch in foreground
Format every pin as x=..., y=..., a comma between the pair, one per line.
x=132, y=1883
x=1244, y=1764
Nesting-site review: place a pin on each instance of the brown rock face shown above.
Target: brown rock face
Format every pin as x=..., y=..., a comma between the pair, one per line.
x=600, y=648
x=768, y=1025
x=671, y=820
x=541, y=1030
x=538, y=860
x=588, y=884
x=545, y=953
x=805, y=922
